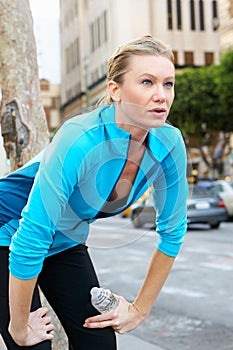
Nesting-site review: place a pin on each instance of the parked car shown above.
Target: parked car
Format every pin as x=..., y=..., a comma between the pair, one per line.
x=204, y=207
x=224, y=190
x=127, y=212
x=143, y=213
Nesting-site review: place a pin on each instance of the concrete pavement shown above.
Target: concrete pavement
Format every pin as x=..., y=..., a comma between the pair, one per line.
x=131, y=342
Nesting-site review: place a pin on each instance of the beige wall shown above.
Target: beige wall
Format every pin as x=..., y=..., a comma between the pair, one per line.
x=51, y=99
x=226, y=21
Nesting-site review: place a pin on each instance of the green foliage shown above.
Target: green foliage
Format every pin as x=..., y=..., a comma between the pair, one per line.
x=204, y=96
x=224, y=82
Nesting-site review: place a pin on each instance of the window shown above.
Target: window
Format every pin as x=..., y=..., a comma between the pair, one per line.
x=67, y=61
x=55, y=103
x=44, y=85
x=215, y=15
x=209, y=58
x=76, y=8
x=94, y=75
x=103, y=69
x=179, y=15
x=72, y=55
x=188, y=58
x=175, y=53
x=98, y=32
x=214, y=8
x=77, y=51
x=169, y=14
x=192, y=15
x=231, y=8
x=105, y=26
x=92, y=48
x=85, y=5
x=77, y=88
x=201, y=13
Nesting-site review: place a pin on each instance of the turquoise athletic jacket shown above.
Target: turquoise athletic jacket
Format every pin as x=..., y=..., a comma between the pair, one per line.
x=75, y=177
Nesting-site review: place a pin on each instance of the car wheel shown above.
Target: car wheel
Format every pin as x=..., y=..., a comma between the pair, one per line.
x=136, y=220
x=215, y=225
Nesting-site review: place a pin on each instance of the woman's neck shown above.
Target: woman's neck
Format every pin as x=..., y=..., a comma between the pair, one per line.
x=137, y=132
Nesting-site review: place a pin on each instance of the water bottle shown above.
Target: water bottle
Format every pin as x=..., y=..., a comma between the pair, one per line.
x=103, y=299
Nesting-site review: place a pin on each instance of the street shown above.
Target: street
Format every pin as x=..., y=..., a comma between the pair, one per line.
x=195, y=308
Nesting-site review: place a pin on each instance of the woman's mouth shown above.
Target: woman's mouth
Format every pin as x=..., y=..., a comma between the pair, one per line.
x=158, y=111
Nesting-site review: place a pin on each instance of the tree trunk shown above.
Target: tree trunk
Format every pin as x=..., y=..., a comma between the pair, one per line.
x=23, y=122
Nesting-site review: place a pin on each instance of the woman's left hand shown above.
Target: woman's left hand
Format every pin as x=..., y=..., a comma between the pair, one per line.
x=124, y=318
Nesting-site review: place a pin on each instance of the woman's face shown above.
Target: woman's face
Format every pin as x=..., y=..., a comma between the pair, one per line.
x=146, y=94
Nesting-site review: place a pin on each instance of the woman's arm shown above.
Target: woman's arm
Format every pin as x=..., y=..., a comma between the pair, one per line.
x=46, y=205
x=128, y=316
x=26, y=328
x=170, y=194
x=157, y=274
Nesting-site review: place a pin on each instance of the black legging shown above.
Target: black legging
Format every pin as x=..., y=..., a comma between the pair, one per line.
x=66, y=280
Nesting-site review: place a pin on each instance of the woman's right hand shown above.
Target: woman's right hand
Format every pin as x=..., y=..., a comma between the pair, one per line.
x=37, y=330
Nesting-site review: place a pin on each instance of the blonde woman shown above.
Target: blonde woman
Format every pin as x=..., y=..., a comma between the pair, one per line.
x=96, y=166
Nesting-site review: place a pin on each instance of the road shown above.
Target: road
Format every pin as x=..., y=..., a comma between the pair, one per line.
x=195, y=307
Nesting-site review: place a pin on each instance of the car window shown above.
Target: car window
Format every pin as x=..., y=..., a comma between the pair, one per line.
x=218, y=188
x=203, y=190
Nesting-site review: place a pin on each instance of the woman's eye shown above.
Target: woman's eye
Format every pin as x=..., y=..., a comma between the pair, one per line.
x=147, y=82
x=169, y=84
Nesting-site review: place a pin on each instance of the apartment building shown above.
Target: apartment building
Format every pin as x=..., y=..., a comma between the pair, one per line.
x=51, y=99
x=226, y=28
x=92, y=29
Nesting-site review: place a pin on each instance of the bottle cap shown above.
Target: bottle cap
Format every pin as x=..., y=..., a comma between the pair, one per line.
x=95, y=292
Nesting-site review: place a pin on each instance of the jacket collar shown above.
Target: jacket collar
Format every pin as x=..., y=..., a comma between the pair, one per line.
x=160, y=141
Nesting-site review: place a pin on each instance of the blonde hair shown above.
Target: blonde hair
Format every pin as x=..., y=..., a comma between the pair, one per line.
x=118, y=63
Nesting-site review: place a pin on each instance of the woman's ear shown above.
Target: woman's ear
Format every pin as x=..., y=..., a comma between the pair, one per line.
x=114, y=91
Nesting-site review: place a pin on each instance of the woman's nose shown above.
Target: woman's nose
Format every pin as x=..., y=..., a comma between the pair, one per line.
x=159, y=95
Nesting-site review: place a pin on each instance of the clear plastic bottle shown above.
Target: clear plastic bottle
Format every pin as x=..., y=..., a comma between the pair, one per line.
x=103, y=299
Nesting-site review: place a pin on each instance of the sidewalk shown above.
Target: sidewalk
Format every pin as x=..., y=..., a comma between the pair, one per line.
x=131, y=342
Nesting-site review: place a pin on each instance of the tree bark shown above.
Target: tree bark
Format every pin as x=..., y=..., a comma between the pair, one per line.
x=23, y=120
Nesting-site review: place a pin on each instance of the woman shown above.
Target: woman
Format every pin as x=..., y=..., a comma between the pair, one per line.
x=97, y=165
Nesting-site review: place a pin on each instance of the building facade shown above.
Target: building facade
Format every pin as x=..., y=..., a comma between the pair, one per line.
x=91, y=30
x=226, y=28
x=51, y=100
